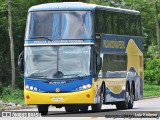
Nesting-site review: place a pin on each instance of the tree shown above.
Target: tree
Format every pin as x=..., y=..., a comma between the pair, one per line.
x=157, y=25
x=113, y=3
x=11, y=43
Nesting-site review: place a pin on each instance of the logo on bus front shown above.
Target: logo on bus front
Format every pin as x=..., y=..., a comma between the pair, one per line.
x=57, y=90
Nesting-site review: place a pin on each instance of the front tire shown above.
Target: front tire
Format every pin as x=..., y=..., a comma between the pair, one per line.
x=43, y=109
x=97, y=107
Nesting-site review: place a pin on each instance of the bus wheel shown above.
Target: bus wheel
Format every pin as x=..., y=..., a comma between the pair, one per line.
x=131, y=98
x=123, y=104
x=97, y=107
x=84, y=108
x=43, y=109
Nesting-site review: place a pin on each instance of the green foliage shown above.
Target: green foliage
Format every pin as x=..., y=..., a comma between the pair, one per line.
x=113, y=3
x=152, y=71
x=11, y=95
x=151, y=90
x=152, y=52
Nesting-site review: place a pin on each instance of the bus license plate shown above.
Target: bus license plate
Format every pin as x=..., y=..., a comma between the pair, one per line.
x=58, y=99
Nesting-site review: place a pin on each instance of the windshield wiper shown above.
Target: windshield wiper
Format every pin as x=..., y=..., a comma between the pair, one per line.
x=41, y=37
x=77, y=75
x=38, y=77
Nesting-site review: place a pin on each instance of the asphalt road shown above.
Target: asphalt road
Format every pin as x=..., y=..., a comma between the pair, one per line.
x=147, y=106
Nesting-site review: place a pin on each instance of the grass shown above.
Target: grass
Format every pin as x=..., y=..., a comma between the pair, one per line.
x=151, y=90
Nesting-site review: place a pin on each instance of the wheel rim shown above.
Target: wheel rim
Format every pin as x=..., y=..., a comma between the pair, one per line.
x=131, y=96
x=101, y=99
x=127, y=96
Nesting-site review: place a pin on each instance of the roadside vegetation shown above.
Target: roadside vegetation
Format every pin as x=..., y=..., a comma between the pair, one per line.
x=152, y=71
x=9, y=95
x=151, y=90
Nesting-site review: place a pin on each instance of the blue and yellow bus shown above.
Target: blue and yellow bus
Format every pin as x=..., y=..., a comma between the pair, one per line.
x=78, y=55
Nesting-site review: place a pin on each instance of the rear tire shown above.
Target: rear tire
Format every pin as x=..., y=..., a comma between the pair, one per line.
x=122, y=105
x=131, y=98
x=43, y=109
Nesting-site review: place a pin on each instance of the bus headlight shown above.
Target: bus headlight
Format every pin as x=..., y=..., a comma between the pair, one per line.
x=80, y=88
x=32, y=88
x=88, y=85
x=84, y=87
x=27, y=86
x=35, y=89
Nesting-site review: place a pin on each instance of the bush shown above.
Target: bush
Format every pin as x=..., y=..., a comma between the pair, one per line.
x=11, y=95
x=152, y=71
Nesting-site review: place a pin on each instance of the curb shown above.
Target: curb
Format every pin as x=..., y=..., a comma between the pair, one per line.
x=150, y=97
x=17, y=108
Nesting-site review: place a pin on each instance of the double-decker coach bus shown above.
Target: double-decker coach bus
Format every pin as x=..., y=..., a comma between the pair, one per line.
x=78, y=55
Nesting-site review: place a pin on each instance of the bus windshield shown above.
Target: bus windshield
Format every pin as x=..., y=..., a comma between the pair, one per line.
x=59, y=25
x=52, y=62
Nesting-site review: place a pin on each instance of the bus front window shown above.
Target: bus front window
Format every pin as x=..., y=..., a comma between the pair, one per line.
x=59, y=25
x=52, y=62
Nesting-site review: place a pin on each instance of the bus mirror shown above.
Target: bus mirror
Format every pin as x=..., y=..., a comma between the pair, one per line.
x=99, y=63
x=21, y=63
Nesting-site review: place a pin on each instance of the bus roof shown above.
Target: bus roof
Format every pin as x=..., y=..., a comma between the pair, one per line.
x=67, y=6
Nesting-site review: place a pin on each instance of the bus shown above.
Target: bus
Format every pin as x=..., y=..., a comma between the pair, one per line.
x=78, y=55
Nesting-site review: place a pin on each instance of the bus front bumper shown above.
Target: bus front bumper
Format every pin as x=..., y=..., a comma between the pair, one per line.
x=79, y=97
